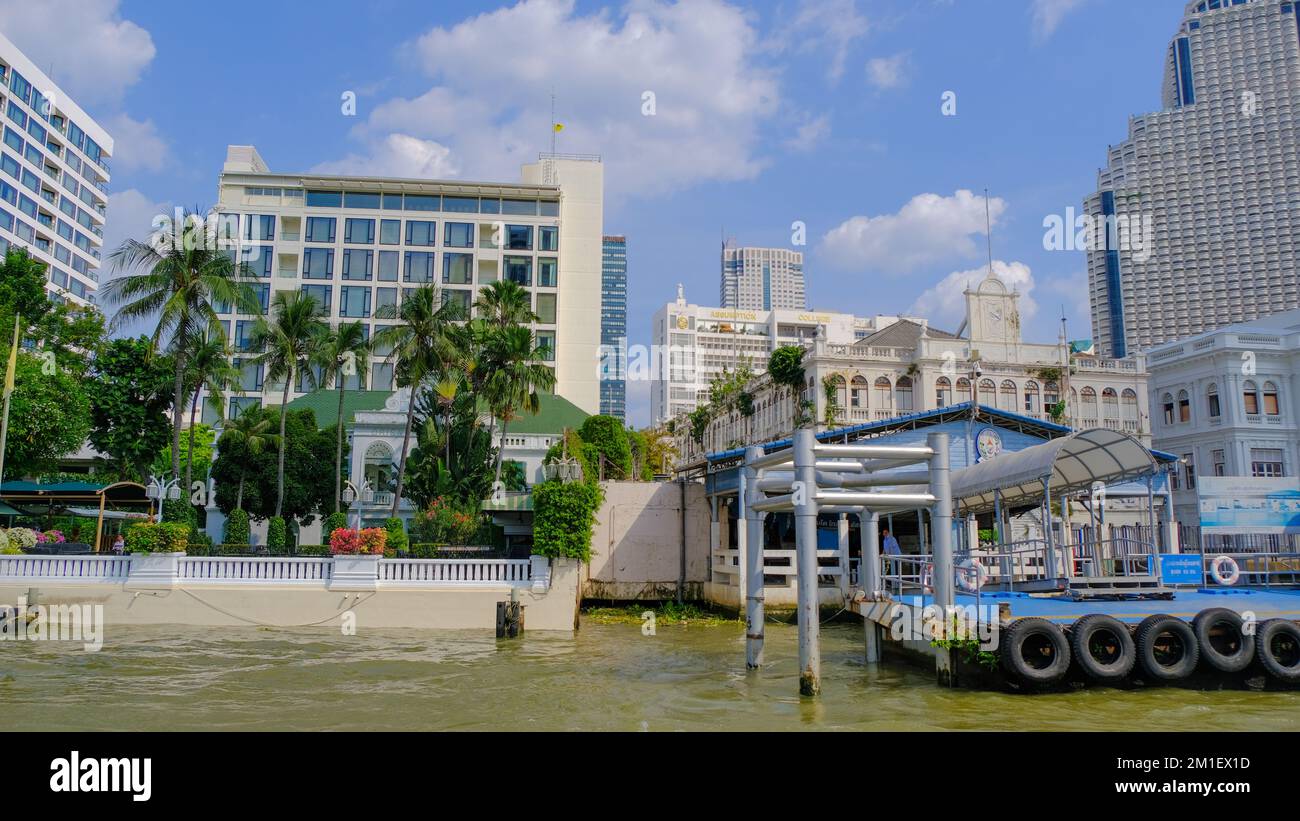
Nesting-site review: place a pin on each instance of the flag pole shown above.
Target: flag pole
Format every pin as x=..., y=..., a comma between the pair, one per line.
x=8, y=392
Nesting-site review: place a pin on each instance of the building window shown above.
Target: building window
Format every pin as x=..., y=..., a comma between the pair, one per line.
x=421, y=233
x=519, y=237
x=1184, y=407
x=356, y=264
x=386, y=303
x=1129, y=402
x=1250, y=396
x=323, y=295
x=548, y=238
x=988, y=393
x=458, y=235
x=963, y=390
x=458, y=269
x=1167, y=402
x=390, y=232
x=419, y=267
x=519, y=270
x=388, y=266
x=321, y=229
x=859, y=397
x=548, y=272
x=1266, y=463
x=1007, y=399
x=318, y=263
x=1271, y=405
x=1088, y=405
x=1051, y=395
x=546, y=345
x=354, y=302
x=546, y=308
x=903, y=392
x=943, y=392
x=1220, y=463
x=1212, y=400
x=324, y=199
x=1189, y=470
x=884, y=393
x=359, y=232
x=1032, y=406
x=381, y=376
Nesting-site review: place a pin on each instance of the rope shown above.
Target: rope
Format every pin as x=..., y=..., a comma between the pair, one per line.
x=223, y=611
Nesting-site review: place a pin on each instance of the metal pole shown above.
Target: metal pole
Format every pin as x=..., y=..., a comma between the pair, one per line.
x=870, y=578
x=941, y=521
x=805, y=524
x=1052, y=565
x=843, y=545
x=754, y=616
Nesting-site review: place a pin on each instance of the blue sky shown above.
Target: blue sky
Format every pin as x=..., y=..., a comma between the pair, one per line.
x=827, y=112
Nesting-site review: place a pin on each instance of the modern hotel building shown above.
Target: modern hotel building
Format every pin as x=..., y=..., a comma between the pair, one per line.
x=761, y=279
x=613, y=328
x=53, y=178
x=358, y=244
x=1205, y=193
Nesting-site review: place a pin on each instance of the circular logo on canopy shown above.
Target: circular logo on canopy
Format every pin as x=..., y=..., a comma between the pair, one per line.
x=988, y=443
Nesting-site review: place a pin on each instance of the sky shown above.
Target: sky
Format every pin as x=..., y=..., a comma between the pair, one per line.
x=876, y=126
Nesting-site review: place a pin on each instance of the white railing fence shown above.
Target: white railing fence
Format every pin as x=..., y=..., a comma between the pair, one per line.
x=240, y=569
x=75, y=568
x=421, y=571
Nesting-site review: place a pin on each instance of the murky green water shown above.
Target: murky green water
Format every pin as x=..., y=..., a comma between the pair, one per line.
x=607, y=678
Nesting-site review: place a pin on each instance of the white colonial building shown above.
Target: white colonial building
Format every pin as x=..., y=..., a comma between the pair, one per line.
x=909, y=367
x=1225, y=402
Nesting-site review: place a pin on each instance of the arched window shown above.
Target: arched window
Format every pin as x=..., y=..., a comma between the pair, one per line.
x=1167, y=404
x=903, y=394
x=1088, y=406
x=1250, y=395
x=1110, y=404
x=988, y=393
x=1051, y=395
x=1272, y=406
x=1129, y=402
x=379, y=469
x=943, y=392
x=1007, y=401
x=1184, y=407
x=841, y=391
x=1212, y=401
x=1032, y=405
x=884, y=398
x=859, y=392
x=963, y=390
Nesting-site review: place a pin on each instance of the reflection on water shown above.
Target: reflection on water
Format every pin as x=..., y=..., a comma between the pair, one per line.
x=610, y=677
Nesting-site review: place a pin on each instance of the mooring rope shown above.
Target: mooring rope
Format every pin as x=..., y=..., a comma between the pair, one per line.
x=258, y=623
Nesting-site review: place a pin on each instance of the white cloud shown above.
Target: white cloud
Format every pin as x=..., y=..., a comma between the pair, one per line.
x=888, y=72
x=930, y=229
x=396, y=155
x=810, y=133
x=493, y=75
x=137, y=145
x=1070, y=293
x=945, y=304
x=828, y=27
x=1048, y=14
x=83, y=45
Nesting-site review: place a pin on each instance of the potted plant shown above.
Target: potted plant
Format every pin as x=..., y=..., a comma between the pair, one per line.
x=356, y=558
x=156, y=550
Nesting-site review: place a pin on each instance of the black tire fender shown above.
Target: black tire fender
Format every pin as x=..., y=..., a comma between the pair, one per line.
x=1277, y=646
x=1167, y=648
x=1103, y=648
x=1221, y=635
x=1035, y=651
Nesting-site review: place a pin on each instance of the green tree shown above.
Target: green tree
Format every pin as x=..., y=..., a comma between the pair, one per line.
x=785, y=366
x=288, y=341
x=71, y=332
x=210, y=371
x=130, y=397
x=422, y=348
x=306, y=488
x=517, y=373
x=199, y=448
x=343, y=352
x=608, y=440
x=453, y=455
x=180, y=280
x=49, y=417
x=251, y=434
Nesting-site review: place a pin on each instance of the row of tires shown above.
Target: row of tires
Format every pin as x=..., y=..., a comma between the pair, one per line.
x=1163, y=649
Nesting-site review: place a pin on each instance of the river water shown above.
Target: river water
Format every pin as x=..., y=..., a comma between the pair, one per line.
x=608, y=677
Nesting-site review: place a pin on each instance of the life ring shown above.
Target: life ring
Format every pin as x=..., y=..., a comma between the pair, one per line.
x=927, y=577
x=974, y=576
x=1225, y=571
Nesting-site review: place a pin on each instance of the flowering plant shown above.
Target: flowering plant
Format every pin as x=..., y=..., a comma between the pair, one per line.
x=446, y=523
x=51, y=537
x=23, y=537
x=373, y=540
x=345, y=541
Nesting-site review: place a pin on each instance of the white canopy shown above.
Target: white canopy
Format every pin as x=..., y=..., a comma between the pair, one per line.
x=1072, y=464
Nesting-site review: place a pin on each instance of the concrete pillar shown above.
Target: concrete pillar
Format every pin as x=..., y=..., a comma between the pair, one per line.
x=753, y=560
x=870, y=577
x=805, y=529
x=941, y=517
x=843, y=546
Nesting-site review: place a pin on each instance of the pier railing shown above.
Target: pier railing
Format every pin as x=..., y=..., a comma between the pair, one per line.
x=1256, y=569
x=281, y=571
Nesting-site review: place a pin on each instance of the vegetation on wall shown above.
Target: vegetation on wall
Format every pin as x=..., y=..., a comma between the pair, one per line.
x=564, y=515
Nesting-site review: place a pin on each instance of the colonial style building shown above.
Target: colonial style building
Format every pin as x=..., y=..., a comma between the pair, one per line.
x=908, y=367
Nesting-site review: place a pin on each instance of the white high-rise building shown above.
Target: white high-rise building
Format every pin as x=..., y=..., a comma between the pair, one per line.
x=1206, y=193
x=762, y=279
x=53, y=178
x=357, y=244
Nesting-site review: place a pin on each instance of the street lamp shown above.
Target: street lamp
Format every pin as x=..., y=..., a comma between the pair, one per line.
x=162, y=491
x=351, y=494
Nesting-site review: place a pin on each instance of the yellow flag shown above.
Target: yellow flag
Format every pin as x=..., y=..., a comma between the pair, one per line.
x=13, y=360
x=559, y=127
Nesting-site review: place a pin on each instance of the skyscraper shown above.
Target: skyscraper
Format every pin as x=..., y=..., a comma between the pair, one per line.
x=761, y=279
x=55, y=178
x=1202, y=202
x=613, y=327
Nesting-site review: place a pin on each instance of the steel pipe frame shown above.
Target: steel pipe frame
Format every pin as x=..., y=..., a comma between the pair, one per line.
x=755, y=617
x=805, y=528
x=874, y=501
x=873, y=452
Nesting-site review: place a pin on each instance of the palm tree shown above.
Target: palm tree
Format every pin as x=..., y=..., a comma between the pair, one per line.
x=344, y=352
x=516, y=375
x=503, y=303
x=209, y=370
x=287, y=341
x=422, y=348
x=180, y=280
x=252, y=429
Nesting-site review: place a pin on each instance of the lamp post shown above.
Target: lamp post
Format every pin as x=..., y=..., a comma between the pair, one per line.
x=162, y=491
x=351, y=494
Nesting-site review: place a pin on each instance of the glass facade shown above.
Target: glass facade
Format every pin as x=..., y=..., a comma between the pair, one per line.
x=613, y=327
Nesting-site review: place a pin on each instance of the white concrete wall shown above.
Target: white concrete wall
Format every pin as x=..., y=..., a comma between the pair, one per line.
x=636, y=545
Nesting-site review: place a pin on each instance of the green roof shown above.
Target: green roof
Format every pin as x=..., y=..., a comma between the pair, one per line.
x=325, y=404
x=556, y=414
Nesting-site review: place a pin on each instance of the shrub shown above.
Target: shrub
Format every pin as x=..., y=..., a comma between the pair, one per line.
x=51, y=537
x=345, y=542
x=445, y=522
x=237, y=527
x=276, y=537
x=608, y=438
x=24, y=538
x=373, y=541
x=564, y=515
x=333, y=522
x=4, y=541
x=312, y=550
x=166, y=537
x=397, y=540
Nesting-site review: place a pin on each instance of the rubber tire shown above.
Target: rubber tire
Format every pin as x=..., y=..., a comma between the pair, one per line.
x=1081, y=635
x=1206, y=621
x=1153, y=627
x=1013, y=659
x=1264, y=636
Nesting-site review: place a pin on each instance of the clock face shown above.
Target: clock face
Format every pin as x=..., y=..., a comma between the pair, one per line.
x=995, y=313
x=988, y=443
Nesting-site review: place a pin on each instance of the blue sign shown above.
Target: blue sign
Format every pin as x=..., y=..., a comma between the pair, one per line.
x=1175, y=569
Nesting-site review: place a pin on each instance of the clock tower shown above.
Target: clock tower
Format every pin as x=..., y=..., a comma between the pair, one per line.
x=993, y=313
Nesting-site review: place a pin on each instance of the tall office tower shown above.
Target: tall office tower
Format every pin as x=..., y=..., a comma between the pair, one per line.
x=762, y=279
x=613, y=328
x=359, y=244
x=55, y=178
x=1200, y=206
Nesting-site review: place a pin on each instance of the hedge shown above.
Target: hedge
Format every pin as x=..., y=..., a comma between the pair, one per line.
x=564, y=515
x=425, y=550
x=276, y=534
x=304, y=550
x=237, y=527
x=167, y=537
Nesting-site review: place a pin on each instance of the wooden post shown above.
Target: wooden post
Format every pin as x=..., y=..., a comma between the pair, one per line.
x=99, y=523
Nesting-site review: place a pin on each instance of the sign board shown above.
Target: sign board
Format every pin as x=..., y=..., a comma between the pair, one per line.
x=1240, y=504
x=1176, y=569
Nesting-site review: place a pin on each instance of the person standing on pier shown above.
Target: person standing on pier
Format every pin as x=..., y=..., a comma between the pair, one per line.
x=891, y=547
